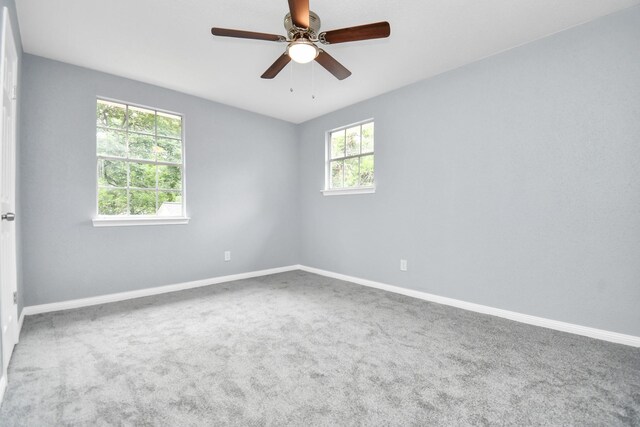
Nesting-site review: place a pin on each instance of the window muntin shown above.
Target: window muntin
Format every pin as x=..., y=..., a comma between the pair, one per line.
x=140, y=163
x=350, y=159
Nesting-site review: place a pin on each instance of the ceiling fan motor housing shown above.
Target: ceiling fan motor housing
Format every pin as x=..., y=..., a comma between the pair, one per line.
x=294, y=32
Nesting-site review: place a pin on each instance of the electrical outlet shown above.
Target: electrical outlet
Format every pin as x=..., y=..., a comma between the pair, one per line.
x=403, y=265
x=227, y=255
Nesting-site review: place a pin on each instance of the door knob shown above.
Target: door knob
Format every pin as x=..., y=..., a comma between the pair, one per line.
x=9, y=216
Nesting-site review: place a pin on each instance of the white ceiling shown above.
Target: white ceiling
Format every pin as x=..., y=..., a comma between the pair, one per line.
x=168, y=43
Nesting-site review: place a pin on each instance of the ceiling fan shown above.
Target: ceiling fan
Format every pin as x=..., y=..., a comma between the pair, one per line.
x=303, y=27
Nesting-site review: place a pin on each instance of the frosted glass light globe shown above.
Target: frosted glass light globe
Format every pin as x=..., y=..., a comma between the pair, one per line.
x=302, y=51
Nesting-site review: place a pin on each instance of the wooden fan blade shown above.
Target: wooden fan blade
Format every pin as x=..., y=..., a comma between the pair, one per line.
x=225, y=32
x=299, y=13
x=378, y=30
x=276, y=67
x=332, y=66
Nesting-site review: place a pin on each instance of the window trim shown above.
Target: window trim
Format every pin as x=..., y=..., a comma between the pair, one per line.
x=132, y=220
x=349, y=191
x=344, y=191
x=124, y=221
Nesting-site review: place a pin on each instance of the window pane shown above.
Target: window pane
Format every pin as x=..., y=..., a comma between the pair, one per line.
x=137, y=185
x=141, y=147
x=353, y=141
x=142, y=120
x=112, y=202
x=169, y=125
x=337, y=144
x=367, y=138
x=169, y=177
x=110, y=114
x=366, y=170
x=112, y=173
x=169, y=150
x=351, y=172
x=142, y=202
x=142, y=175
x=336, y=173
x=169, y=203
x=111, y=143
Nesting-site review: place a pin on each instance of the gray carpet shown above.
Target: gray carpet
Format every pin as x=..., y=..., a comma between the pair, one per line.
x=300, y=349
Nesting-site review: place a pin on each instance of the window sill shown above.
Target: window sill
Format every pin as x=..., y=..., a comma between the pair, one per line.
x=349, y=191
x=129, y=221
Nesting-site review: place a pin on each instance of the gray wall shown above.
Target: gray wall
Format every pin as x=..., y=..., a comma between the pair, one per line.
x=241, y=191
x=512, y=182
x=10, y=4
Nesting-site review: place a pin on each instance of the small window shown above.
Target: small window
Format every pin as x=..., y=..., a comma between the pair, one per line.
x=140, y=163
x=350, y=159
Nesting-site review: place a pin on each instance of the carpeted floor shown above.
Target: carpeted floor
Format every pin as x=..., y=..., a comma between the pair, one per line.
x=300, y=349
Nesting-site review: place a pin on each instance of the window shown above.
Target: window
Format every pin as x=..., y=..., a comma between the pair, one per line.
x=140, y=165
x=349, y=168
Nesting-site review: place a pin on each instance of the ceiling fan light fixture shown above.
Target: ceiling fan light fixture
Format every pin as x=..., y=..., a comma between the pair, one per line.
x=302, y=51
x=303, y=32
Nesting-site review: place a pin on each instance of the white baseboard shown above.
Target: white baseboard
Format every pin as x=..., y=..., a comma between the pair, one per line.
x=121, y=296
x=3, y=386
x=478, y=308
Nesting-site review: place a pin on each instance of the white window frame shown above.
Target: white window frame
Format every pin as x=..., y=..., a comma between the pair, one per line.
x=328, y=191
x=132, y=220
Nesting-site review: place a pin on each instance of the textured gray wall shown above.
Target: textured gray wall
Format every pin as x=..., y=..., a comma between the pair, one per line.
x=240, y=178
x=512, y=182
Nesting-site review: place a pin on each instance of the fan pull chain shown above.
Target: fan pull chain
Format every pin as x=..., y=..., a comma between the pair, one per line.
x=291, y=78
x=313, y=86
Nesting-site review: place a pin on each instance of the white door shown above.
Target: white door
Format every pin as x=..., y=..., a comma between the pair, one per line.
x=8, y=77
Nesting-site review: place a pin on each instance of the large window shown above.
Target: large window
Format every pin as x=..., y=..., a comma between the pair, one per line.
x=140, y=162
x=350, y=158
